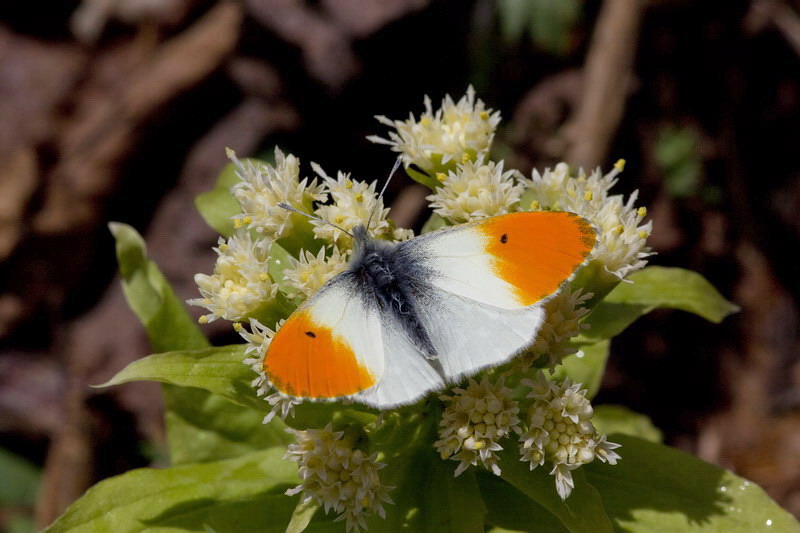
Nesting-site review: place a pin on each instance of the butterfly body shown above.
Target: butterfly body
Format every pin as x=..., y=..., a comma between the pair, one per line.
x=396, y=282
x=408, y=318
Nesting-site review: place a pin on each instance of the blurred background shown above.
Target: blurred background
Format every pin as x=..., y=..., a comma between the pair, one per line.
x=121, y=110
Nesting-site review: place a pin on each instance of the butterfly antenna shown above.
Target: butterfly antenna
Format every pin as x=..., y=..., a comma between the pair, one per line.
x=394, y=169
x=313, y=217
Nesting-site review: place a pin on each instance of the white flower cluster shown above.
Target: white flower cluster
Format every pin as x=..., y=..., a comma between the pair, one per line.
x=476, y=190
x=454, y=130
x=337, y=476
x=475, y=419
x=310, y=272
x=262, y=187
x=240, y=284
x=563, y=314
x=560, y=431
x=353, y=202
x=622, y=237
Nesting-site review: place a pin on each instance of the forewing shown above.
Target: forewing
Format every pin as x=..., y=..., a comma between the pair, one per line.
x=328, y=348
x=508, y=261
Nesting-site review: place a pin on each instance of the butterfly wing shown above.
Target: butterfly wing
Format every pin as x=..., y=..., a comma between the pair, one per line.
x=408, y=374
x=338, y=344
x=489, y=281
x=508, y=261
x=329, y=347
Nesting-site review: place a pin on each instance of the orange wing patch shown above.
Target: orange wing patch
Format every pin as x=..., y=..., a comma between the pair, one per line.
x=308, y=360
x=537, y=251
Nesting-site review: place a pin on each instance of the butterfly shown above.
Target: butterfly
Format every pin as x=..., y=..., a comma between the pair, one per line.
x=408, y=318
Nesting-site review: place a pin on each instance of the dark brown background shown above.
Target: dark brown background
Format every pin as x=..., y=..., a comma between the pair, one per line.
x=124, y=113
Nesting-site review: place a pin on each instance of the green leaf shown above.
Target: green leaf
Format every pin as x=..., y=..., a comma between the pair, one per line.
x=511, y=510
x=586, y=367
x=433, y=223
x=279, y=260
x=215, y=428
x=655, y=488
x=427, y=497
x=406, y=473
x=652, y=288
x=451, y=504
x=242, y=494
x=200, y=427
x=168, y=325
x=403, y=441
x=302, y=516
x=20, y=480
x=218, y=369
x=610, y=419
x=582, y=512
x=218, y=206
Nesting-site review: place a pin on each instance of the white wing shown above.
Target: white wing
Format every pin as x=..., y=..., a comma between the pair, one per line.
x=338, y=345
x=488, y=282
x=329, y=347
x=469, y=335
x=407, y=376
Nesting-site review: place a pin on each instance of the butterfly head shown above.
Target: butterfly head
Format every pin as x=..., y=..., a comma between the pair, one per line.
x=360, y=237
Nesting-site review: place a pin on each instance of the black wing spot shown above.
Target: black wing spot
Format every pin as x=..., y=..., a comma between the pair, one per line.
x=504, y=238
x=311, y=334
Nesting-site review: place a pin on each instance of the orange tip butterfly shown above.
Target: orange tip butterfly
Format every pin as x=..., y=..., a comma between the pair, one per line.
x=408, y=318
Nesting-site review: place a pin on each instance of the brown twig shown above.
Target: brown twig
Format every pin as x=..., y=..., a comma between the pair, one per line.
x=607, y=75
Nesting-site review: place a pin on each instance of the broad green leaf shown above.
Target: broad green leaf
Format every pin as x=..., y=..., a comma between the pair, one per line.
x=427, y=497
x=168, y=325
x=655, y=488
x=656, y=287
x=241, y=494
x=451, y=504
x=586, y=367
x=218, y=369
x=610, y=419
x=218, y=206
x=20, y=480
x=511, y=510
x=217, y=429
x=199, y=427
x=403, y=441
x=406, y=473
x=582, y=512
